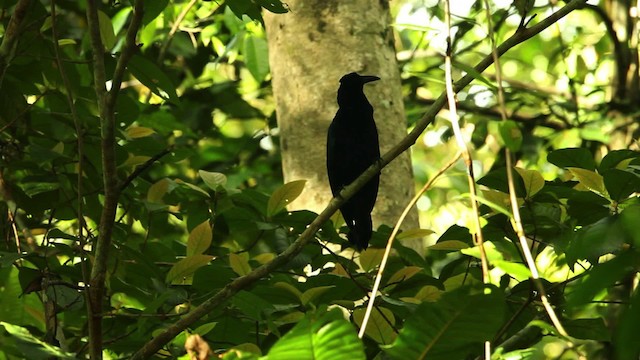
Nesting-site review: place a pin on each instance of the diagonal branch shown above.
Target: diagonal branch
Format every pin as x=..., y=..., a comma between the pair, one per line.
x=242, y=282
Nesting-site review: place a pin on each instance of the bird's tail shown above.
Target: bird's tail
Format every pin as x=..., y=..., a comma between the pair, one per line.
x=360, y=233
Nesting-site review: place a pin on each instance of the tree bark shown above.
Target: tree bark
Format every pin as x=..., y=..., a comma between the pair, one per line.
x=310, y=49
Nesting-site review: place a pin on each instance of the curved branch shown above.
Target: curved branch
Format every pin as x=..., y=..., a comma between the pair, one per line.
x=245, y=281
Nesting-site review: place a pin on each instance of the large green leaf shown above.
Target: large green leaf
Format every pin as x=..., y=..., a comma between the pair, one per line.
x=32, y=347
x=613, y=158
x=256, y=55
x=620, y=184
x=572, y=157
x=601, y=277
x=319, y=336
x=451, y=328
x=605, y=236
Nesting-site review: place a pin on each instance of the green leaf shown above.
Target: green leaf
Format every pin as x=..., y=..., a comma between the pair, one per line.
x=106, y=30
x=511, y=135
x=615, y=157
x=256, y=55
x=327, y=336
x=601, y=277
x=533, y=180
x=136, y=132
x=151, y=76
x=380, y=324
x=459, y=321
x=213, y=180
x=449, y=245
x=516, y=270
x=605, y=236
x=252, y=305
x=245, y=7
x=414, y=234
x=203, y=329
x=152, y=9
x=629, y=220
x=572, y=157
x=403, y=274
x=158, y=190
x=33, y=188
x=284, y=195
x=625, y=340
x=181, y=272
x=32, y=347
x=476, y=75
x=314, y=293
x=620, y=184
x=199, y=239
x=7, y=259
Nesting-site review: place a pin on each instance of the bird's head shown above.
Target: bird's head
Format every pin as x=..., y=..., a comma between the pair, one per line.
x=356, y=80
x=351, y=87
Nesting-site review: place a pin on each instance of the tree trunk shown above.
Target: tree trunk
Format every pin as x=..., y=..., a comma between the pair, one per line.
x=310, y=49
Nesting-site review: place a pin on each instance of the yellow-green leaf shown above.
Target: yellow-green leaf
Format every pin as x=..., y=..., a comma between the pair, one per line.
x=589, y=179
x=107, y=34
x=291, y=318
x=429, y=293
x=193, y=187
x=489, y=249
x=497, y=200
x=240, y=263
x=136, y=132
x=510, y=134
x=135, y=160
x=199, y=239
x=264, y=257
x=284, y=195
x=414, y=234
x=449, y=245
x=404, y=274
x=371, y=258
x=181, y=272
x=516, y=270
x=157, y=191
x=64, y=42
x=313, y=293
x=288, y=287
x=380, y=326
x=203, y=329
x=213, y=179
x=59, y=148
x=533, y=180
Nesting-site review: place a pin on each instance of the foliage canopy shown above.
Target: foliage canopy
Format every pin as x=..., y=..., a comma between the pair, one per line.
x=184, y=151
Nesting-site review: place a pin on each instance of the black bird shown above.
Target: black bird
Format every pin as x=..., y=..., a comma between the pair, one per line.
x=352, y=146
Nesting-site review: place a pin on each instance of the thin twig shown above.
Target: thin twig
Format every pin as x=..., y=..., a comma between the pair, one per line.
x=387, y=251
x=80, y=145
x=515, y=208
x=464, y=149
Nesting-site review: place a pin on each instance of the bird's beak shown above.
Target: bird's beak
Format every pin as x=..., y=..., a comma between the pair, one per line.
x=369, y=78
